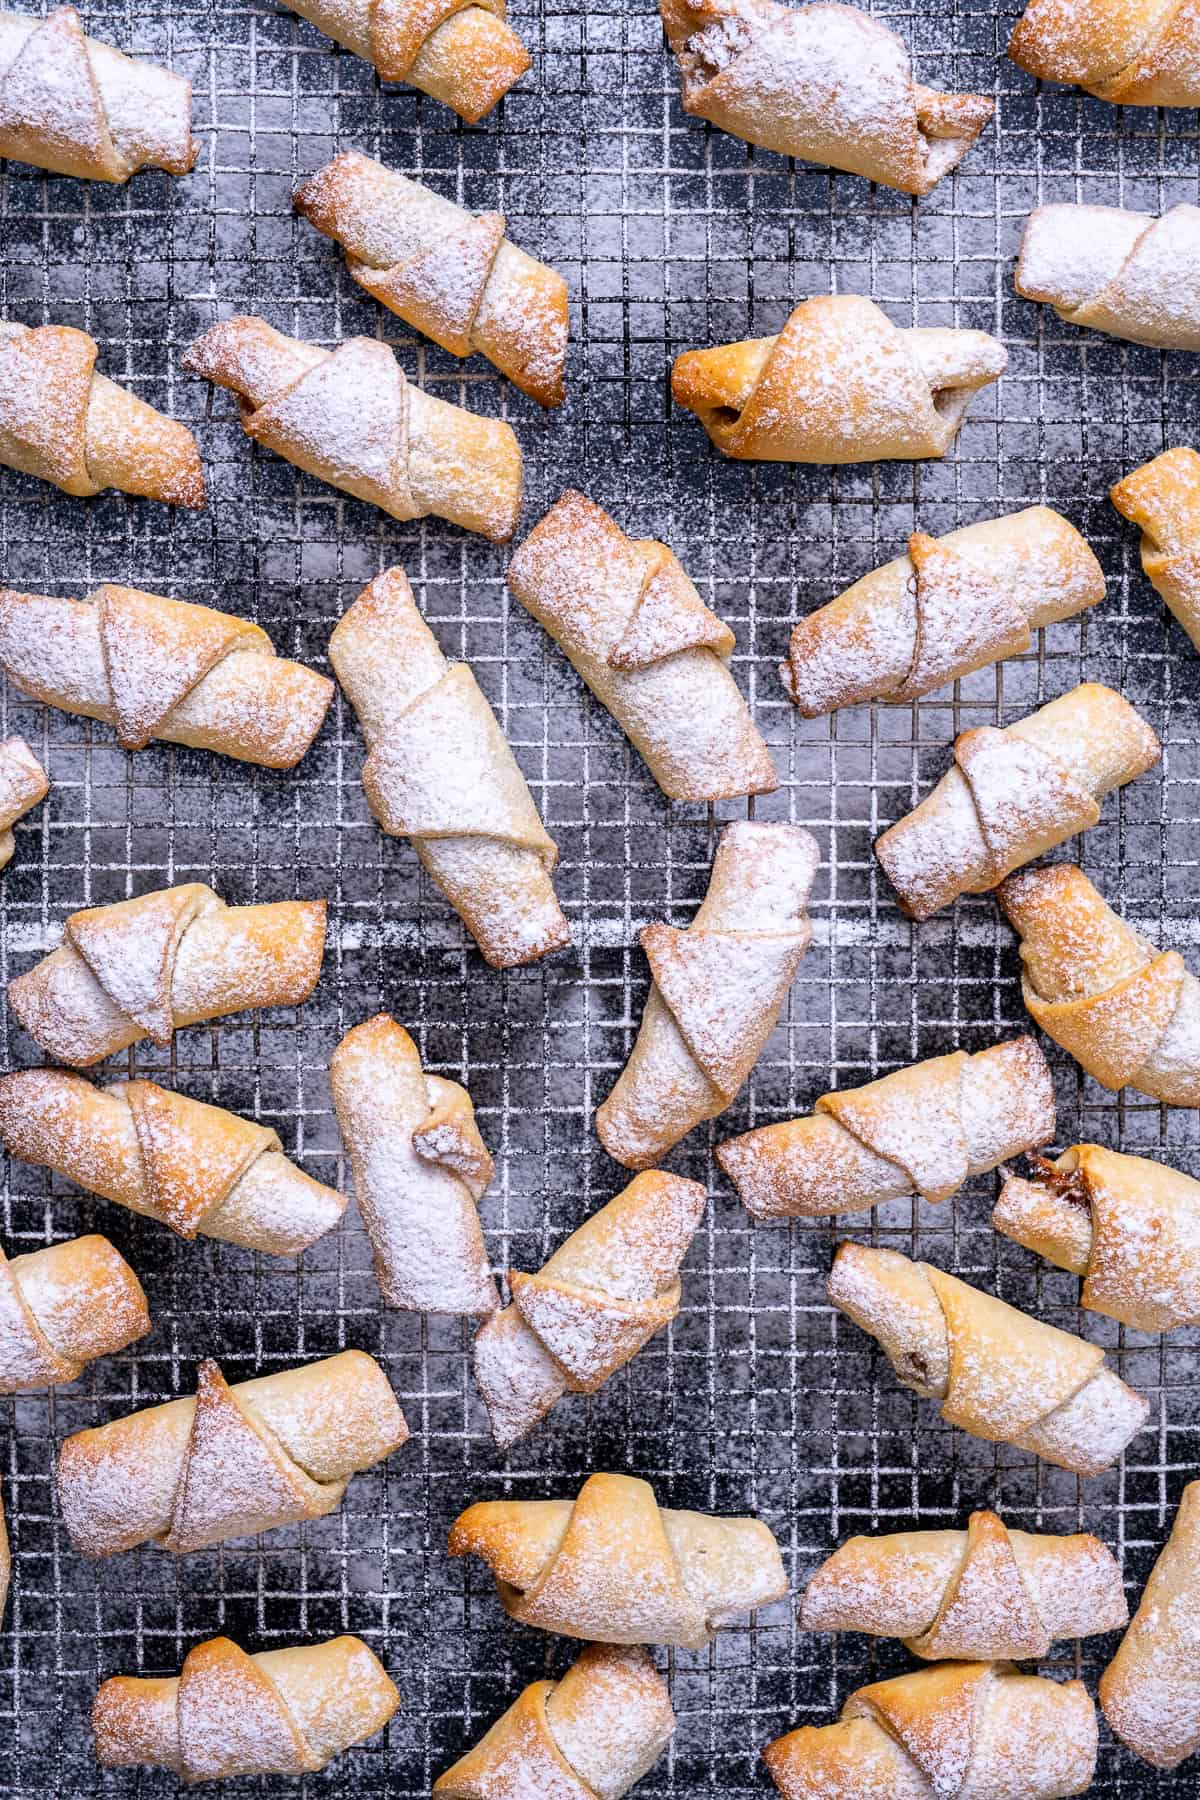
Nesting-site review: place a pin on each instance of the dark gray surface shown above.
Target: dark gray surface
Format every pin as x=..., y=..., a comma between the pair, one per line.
x=670, y=235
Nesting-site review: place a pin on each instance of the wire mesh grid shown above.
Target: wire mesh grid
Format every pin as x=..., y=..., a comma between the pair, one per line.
x=759, y=1398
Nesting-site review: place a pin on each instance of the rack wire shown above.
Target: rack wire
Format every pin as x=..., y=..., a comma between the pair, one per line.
x=759, y=1398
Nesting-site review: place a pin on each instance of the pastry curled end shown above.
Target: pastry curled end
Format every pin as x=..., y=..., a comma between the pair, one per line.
x=614, y=1567
x=195, y=1168
x=948, y=607
x=445, y=271
x=462, y=52
x=1150, y=1691
x=824, y=82
x=998, y=1373
x=351, y=417
x=1129, y=274
x=840, y=384
x=986, y=1593
x=717, y=992
x=143, y=967
x=1129, y=1226
x=23, y=782
x=1127, y=1011
x=594, y=1303
x=61, y=1308
x=925, y=1130
x=62, y=422
x=158, y=668
x=227, y=1713
x=233, y=1461
x=959, y=1731
x=594, y=1733
x=78, y=107
x=1132, y=52
x=1163, y=498
x=440, y=772
x=1010, y=795
x=638, y=633
x=420, y=1166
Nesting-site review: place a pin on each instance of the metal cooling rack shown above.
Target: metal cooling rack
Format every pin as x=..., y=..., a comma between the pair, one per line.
x=759, y=1398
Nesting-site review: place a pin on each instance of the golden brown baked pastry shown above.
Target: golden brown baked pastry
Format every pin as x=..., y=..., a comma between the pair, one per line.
x=462, y=52
x=614, y=1566
x=281, y=1712
x=79, y=107
x=1127, y=1011
x=445, y=271
x=1163, y=498
x=1129, y=1226
x=61, y=1308
x=594, y=1303
x=986, y=1593
x=64, y=423
x=639, y=634
x=958, y=1731
x=1150, y=1691
x=23, y=782
x=953, y=604
x=1132, y=52
x=1011, y=795
x=420, y=1165
x=590, y=1736
x=839, y=384
x=717, y=990
x=232, y=1460
x=924, y=1130
x=351, y=417
x=142, y=967
x=1134, y=275
x=196, y=1168
x=440, y=772
x=825, y=82
x=998, y=1373
x=158, y=668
